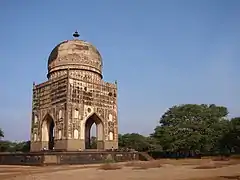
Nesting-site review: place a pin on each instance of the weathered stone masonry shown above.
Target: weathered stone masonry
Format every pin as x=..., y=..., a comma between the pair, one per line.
x=73, y=98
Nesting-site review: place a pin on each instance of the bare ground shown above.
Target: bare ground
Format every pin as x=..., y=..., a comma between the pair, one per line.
x=188, y=169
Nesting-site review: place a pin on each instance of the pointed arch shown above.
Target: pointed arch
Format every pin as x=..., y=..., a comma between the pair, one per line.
x=48, y=130
x=48, y=117
x=89, y=121
x=92, y=114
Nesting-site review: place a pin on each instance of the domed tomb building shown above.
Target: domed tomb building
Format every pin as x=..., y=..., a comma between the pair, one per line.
x=72, y=99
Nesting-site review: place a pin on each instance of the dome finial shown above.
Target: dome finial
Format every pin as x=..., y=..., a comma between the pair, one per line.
x=76, y=35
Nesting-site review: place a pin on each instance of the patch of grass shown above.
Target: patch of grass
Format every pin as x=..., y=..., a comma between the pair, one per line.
x=144, y=164
x=184, y=162
x=207, y=167
x=110, y=166
x=132, y=163
x=218, y=164
x=236, y=177
x=231, y=177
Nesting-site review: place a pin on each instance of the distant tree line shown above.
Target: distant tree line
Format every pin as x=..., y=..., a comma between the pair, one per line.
x=183, y=131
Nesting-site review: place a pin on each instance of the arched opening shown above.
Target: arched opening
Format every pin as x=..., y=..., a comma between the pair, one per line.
x=94, y=140
x=48, y=132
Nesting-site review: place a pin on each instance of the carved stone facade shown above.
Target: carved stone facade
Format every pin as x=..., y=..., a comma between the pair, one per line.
x=73, y=98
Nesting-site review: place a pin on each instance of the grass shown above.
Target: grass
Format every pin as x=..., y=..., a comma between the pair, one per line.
x=144, y=164
x=182, y=162
x=235, y=177
x=210, y=163
x=218, y=164
x=231, y=177
x=110, y=166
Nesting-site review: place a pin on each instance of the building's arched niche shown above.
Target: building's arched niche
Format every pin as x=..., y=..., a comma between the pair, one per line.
x=48, y=131
x=110, y=135
x=60, y=114
x=34, y=137
x=75, y=134
x=91, y=141
x=59, y=134
x=110, y=117
x=35, y=119
x=76, y=113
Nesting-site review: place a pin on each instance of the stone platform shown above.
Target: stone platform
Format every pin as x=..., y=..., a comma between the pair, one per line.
x=62, y=158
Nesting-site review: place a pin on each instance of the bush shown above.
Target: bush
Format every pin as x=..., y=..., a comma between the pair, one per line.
x=110, y=166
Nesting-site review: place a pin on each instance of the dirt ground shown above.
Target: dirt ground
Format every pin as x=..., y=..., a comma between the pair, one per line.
x=188, y=169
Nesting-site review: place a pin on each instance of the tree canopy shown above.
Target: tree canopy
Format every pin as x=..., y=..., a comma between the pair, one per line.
x=192, y=128
x=1, y=133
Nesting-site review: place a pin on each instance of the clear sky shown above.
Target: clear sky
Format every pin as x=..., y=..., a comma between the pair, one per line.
x=161, y=52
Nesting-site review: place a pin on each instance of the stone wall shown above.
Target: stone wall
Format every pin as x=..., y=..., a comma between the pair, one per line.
x=60, y=158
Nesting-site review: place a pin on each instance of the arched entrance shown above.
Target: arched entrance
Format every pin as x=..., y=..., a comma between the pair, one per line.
x=90, y=141
x=48, y=132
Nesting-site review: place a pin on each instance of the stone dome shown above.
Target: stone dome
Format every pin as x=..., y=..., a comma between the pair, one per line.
x=75, y=54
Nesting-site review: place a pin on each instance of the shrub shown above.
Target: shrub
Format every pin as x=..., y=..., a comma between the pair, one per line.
x=110, y=166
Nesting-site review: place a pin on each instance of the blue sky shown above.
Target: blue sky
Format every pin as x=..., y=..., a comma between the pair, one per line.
x=161, y=52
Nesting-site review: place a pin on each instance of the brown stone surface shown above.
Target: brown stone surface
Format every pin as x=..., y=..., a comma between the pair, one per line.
x=73, y=98
x=170, y=170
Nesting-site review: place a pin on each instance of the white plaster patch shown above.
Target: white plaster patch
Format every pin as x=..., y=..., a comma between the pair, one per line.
x=45, y=131
x=35, y=119
x=82, y=129
x=76, y=113
x=35, y=137
x=110, y=136
x=75, y=134
x=60, y=114
x=110, y=117
x=59, y=134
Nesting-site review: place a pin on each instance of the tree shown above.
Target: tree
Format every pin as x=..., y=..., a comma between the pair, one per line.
x=8, y=146
x=134, y=141
x=191, y=128
x=231, y=139
x=1, y=133
x=93, y=142
x=23, y=146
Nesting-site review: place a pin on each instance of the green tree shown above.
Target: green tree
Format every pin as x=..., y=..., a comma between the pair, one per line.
x=93, y=142
x=134, y=141
x=191, y=128
x=231, y=140
x=8, y=146
x=23, y=146
x=1, y=133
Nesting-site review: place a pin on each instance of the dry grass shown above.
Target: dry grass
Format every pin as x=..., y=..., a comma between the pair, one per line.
x=182, y=162
x=234, y=177
x=211, y=163
x=144, y=164
x=110, y=166
x=237, y=177
x=218, y=164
